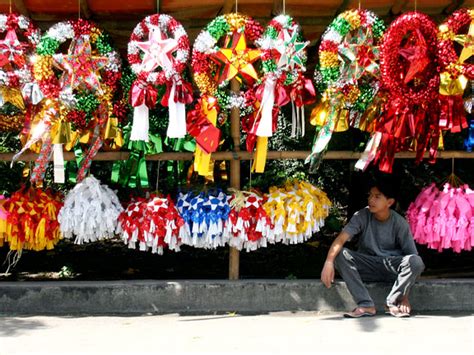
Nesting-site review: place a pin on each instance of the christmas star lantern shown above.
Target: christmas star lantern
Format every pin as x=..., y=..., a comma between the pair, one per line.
x=347, y=76
x=80, y=89
x=17, y=89
x=158, y=52
x=284, y=66
x=223, y=52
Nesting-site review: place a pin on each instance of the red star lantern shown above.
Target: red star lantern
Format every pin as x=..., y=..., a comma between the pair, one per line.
x=417, y=55
x=236, y=59
x=80, y=66
x=12, y=50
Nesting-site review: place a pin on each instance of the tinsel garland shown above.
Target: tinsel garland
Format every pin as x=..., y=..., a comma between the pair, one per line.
x=90, y=212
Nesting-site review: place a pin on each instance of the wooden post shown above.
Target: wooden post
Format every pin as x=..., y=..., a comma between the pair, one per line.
x=234, y=255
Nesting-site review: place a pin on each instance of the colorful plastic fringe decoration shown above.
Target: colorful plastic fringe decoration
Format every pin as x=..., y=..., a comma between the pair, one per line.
x=3, y=221
x=284, y=65
x=214, y=66
x=297, y=211
x=410, y=75
x=443, y=219
x=90, y=212
x=158, y=63
x=249, y=223
x=32, y=220
x=205, y=215
x=348, y=77
x=154, y=224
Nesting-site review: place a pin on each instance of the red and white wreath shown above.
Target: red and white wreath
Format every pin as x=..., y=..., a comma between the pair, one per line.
x=159, y=60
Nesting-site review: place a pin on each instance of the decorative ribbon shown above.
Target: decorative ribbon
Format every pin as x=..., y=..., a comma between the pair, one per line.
x=143, y=97
x=32, y=92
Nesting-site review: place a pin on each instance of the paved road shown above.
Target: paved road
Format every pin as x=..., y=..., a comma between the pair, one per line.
x=302, y=332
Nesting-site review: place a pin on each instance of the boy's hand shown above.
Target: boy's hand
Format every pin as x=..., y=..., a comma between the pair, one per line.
x=327, y=275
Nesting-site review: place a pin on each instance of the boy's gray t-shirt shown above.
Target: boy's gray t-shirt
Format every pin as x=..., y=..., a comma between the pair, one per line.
x=388, y=238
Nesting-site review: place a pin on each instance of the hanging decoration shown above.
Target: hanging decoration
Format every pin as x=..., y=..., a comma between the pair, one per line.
x=443, y=219
x=283, y=54
x=297, y=211
x=154, y=224
x=214, y=66
x=3, y=221
x=456, y=71
x=80, y=104
x=17, y=89
x=32, y=220
x=409, y=72
x=249, y=223
x=205, y=215
x=90, y=212
x=348, y=76
x=159, y=63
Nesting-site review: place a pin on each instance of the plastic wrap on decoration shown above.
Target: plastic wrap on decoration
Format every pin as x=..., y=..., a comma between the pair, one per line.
x=205, y=215
x=90, y=212
x=297, y=211
x=249, y=223
x=32, y=220
x=152, y=224
x=443, y=219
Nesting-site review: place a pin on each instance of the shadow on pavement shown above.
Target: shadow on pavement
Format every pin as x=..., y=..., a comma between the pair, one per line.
x=15, y=326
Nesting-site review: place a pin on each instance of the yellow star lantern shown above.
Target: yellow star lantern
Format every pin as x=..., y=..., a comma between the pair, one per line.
x=467, y=41
x=236, y=59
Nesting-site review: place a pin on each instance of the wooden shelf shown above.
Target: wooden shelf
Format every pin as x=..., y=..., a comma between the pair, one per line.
x=242, y=155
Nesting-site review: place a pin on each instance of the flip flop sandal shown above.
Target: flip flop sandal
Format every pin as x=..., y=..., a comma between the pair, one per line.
x=358, y=313
x=395, y=312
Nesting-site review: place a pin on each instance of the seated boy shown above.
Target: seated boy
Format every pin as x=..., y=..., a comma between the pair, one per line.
x=386, y=252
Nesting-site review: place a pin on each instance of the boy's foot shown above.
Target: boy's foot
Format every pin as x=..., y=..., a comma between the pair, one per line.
x=360, y=312
x=396, y=312
x=404, y=305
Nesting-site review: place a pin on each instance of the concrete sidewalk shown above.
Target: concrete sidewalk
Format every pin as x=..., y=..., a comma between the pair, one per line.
x=139, y=297
x=288, y=333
